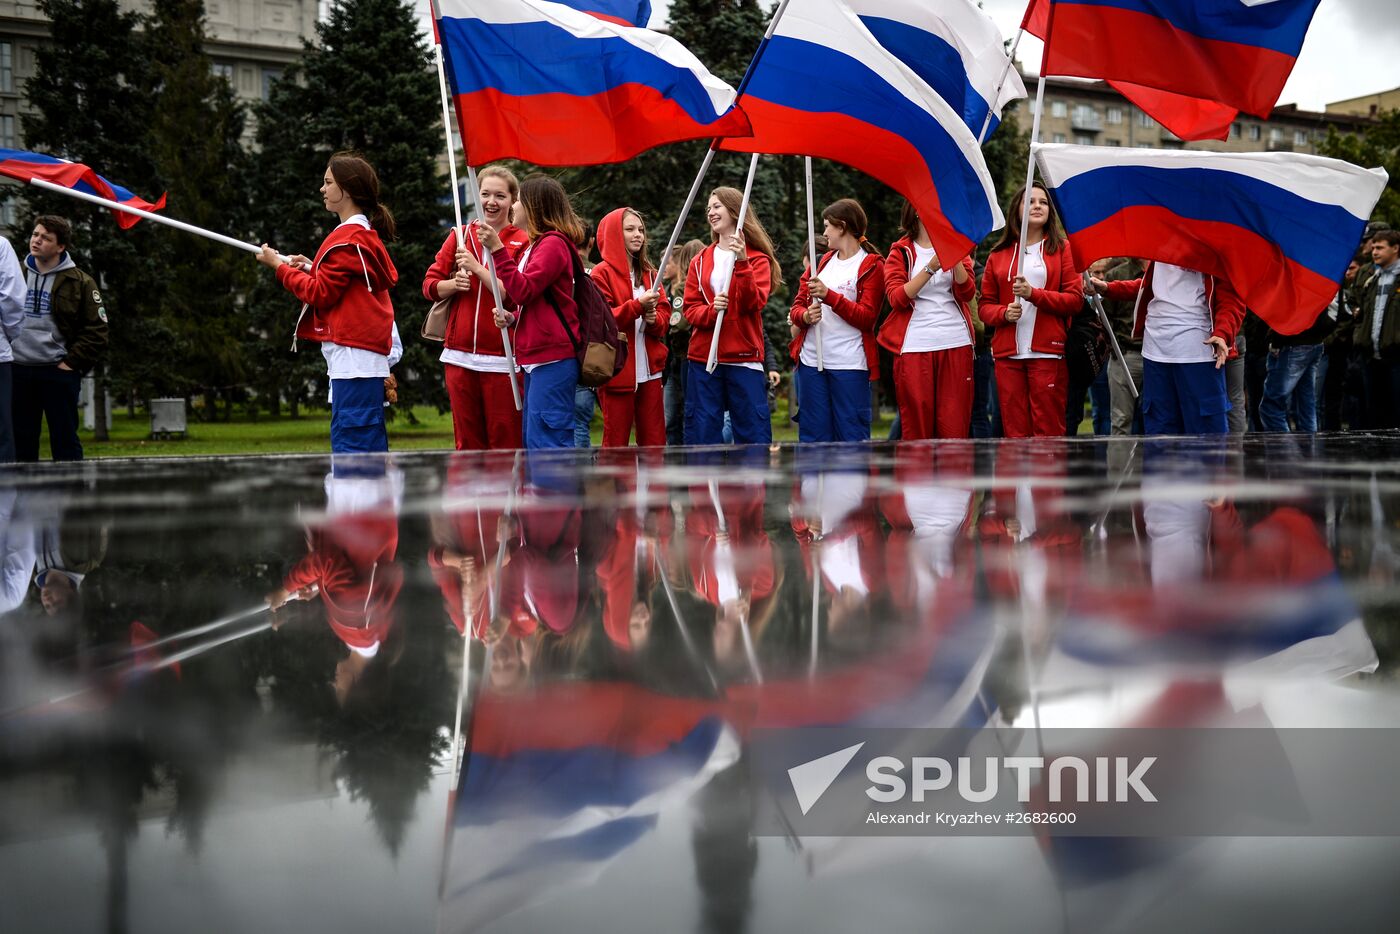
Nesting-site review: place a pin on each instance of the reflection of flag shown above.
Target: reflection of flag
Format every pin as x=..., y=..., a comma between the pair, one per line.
x=540, y=81
x=1279, y=227
x=1191, y=64
x=953, y=46
x=547, y=802
x=30, y=165
x=824, y=86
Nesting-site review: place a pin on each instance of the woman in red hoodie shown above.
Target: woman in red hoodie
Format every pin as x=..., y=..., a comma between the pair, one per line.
x=929, y=330
x=346, y=292
x=735, y=274
x=484, y=417
x=545, y=321
x=627, y=280
x=1031, y=314
x=838, y=308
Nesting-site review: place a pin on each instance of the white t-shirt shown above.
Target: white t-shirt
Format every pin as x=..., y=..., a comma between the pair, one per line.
x=639, y=344
x=937, y=322
x=721, y=275
x=843, y=346
x=1033, y=268
x=1179, y=321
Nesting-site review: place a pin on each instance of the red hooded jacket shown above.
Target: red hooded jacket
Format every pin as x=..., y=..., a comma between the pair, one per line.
x=614, y=279
x=860, y=314
x=352, y=561
x=346, y=291
x=1055, y=305
x=1226, y=309
x=539, y=335
x=741, y=340
x=471, y=326
x=898, y=268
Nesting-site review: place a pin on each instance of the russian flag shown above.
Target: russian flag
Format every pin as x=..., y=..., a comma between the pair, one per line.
x=1279, y=227
x=25, y=166
x=1237, y=53
x=954, y=47
x=549, y=84
x=824, y=86
x=622, y=12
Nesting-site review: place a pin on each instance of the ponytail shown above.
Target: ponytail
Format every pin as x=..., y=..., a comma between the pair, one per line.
x=382, y=220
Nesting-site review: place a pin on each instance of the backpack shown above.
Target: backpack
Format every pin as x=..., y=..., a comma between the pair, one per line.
x=601, y=355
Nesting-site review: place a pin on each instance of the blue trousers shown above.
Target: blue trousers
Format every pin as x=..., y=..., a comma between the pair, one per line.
x=1184, y=399
x=357, y=416
x=986, y=420
x=1291, y=378
x=585, y=401
x=1100, y=404
x=740, y=391
x=7, y=421
x=549, y=402
x=835, y=405
x=40, y=393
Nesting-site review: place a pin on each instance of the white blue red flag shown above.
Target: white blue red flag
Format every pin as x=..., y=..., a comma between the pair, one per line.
x=546, y=83
x=622, y=12
x=824, y=86
x=24, y=166
x=1279, y=227
x=954, y=46
x=1206, y=60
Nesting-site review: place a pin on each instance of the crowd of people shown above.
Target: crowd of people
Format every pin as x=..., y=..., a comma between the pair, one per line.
x=1011, y=350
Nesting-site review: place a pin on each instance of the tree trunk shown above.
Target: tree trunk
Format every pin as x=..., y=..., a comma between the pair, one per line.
x=99, y=405
x=294, y=404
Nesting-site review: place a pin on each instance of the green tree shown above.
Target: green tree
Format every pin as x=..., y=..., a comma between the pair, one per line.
x=366, y=85
x=1379, y=146
x=92, y=103
x=196, y=141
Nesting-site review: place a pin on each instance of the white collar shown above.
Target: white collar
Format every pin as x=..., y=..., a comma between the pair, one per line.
x=356, y=219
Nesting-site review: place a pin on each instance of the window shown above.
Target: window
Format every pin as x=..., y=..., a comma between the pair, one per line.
x=7, y=67
x=1145, y=121
x=1113, y=142
x=1115, y=115
x=1083, y=139
x=1300, y=137
x=1254, y=131
x=221, y=70
x=1059, y=109
x=7, y=132
x=9, y=215
x=1235, y=131
x=1059, y=137
x=1275, y=135
x=269, y=75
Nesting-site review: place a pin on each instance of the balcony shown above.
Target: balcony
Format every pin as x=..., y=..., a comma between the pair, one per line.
x=1085, y=120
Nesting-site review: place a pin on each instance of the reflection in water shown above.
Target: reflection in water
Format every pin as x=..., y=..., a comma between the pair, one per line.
x=619, y=629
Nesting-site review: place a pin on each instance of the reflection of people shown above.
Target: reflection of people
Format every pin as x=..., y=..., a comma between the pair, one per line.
x=731, y=564
x=629, y=570
x=12, y=295
x=840, y=539
x=65, y=552
x=351, y=560
x=16, y=551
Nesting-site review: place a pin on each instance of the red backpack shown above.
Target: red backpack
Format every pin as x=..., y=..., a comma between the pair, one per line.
x=601, y=355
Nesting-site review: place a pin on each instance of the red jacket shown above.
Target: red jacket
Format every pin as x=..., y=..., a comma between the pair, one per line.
x=898, y=267
x=471, y=326
x=1055, y=305
x=614, y=280
x=346, y=291
x=741, y=340
x=1226, y=308
x=539, y=335
x=352, y=561
x=860, y=314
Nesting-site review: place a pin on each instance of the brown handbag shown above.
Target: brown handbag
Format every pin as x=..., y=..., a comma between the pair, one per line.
x=435, y=321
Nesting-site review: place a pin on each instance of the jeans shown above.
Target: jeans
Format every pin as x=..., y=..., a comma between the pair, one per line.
x=46, y=392
x=584, y=402
x=550, y=405
x=1292, y=375
x=985, y=421
x=673, y=398
x=1100, y=402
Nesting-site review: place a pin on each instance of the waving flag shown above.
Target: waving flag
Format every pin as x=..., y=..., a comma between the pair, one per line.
x=622, y=12
x=824, y=86
x=27, y=166
x=1206, y=60
x=1280, y=227
x=954, y=47
x=547, y=83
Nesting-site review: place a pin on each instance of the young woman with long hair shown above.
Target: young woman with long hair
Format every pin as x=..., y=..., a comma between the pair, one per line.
x=929, y=330
x=1030, y=305
x=841, y=301
x=545, y=320
x=484, y=417
x=736, y=273
x=627, y=280
x=345, y=302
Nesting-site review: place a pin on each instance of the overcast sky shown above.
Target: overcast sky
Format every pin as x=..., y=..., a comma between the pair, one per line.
x=1353, y=48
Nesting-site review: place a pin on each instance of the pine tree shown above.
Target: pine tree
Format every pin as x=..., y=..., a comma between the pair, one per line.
x=366, y=85
x=92, y=103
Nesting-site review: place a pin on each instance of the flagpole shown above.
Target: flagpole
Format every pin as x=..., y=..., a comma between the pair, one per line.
x=812, y=259
x=447, y=110
x=713, y=360
x=1030, y=178
x=996, y=95
x=151, y=216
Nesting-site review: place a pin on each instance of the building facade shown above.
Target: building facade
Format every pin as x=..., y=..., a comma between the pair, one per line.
x=1368, y=105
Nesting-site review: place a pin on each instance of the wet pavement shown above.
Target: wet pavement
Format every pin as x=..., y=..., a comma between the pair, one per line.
x=174, y=757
